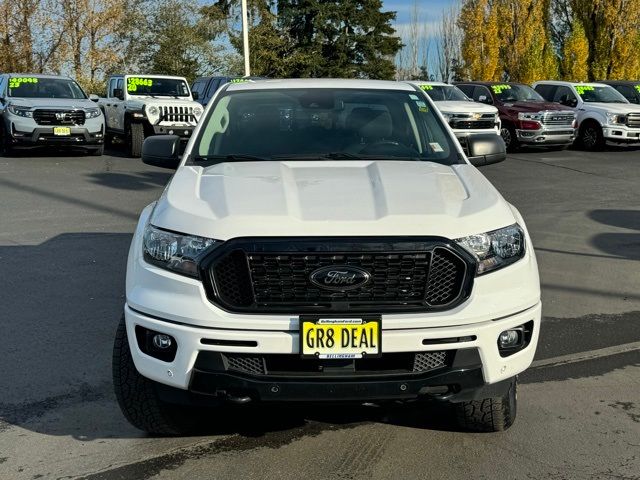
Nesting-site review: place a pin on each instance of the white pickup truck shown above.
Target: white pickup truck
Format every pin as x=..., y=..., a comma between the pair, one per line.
x=325, y=240
x=138, y=106
x=603, y=113
x=465, y=117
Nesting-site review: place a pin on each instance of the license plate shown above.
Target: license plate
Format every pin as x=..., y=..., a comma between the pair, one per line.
x=62, y=131
x=340, y=338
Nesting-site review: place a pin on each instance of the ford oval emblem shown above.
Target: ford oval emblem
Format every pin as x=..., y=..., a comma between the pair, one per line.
x=339, y=277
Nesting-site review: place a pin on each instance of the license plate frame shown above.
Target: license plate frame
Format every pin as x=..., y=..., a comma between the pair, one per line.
x=340, y=322
x=61, y=131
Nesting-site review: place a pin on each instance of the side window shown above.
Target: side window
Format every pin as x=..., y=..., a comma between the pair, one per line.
x=198, y=86
x=565, y=96
x=627, y=92
x=482, y=94
x=2, y=82
x=213, y=87
x=120, y=84
x=467, y=90
x=547, y=91
x=112, y=87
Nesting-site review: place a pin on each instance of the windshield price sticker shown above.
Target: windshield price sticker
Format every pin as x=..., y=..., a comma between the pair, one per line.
x=238, y=80
x=133, y=82
x=584, y=88
x=15, y=82
x=497, y=89
x=426, y=87
x=638, y=88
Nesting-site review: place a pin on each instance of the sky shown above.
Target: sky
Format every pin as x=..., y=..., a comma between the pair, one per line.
x=429, y=11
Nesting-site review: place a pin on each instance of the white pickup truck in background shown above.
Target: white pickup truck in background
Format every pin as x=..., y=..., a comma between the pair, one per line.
x=464, y=116
x=138, y=106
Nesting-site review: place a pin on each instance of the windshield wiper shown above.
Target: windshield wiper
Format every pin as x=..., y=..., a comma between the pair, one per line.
x=320, y=156
x=229, y=158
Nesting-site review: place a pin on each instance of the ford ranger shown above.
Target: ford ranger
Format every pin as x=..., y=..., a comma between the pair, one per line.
x=604, y=114
x=45, y=110
x=138, y=106
x=325, y=241
x=527, y=118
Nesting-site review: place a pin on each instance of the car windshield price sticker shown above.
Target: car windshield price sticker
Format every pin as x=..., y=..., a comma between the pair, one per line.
x=426, y=87
x=638, y=88
x=584, y=88
x=497, y=89
x=340, y=338
x=15, y=82
x=134, y=82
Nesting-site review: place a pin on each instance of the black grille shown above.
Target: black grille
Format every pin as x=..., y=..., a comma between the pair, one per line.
x=633, y=120
x=294, y=365
x=564, y=119
x=59, y=117
x=177, y=114
x=470, y=124
x=263, y=278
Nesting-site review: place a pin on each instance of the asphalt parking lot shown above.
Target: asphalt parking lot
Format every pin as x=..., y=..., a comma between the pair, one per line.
x=65, y=227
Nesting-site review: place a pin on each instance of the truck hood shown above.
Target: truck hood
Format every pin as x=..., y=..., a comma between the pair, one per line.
x=331, y=198
x=66, y=103
x=450, y=106
x=620, y=108
x=533, y=106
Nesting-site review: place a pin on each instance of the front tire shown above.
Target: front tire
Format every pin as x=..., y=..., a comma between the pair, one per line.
x=6, y=149
x=510, y=138
x=138, y=398
x=591, y=137
x=493, y=414
x=135, y=139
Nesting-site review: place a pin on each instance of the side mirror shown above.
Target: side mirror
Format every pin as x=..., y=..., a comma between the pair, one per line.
x=195, y=95
x=118, y=93
x=162, y=151
x=93, y=97
x=485, y=149
x=485, y=99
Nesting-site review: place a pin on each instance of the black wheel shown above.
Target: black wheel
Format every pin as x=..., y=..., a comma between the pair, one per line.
x=136, y=139
x=97, y=151
x=591, y=137
x=510, y=138
x=138, y=398
x=493, y=414
x=6, y=149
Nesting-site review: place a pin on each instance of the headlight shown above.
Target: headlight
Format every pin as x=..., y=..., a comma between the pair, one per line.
x=197, y=111
x=174, y=251
x=495, y=249
x=21, y=111
x=530, y=116
x=615, y=119
x=152, y=110
x=92, y=113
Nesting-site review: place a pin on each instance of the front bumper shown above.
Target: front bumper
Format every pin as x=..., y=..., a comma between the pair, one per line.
x=547, y=136
x=621, y=134
x=472, y=370
x=183, y=131
x=25, y=132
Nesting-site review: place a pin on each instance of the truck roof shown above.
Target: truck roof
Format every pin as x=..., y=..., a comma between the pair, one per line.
x=38, y=75
x=147, y=75
x=321, y=83
x=569, y=84
x=487, y=84
x=427, y=82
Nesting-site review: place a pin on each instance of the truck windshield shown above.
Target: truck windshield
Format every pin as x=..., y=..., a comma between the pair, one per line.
x=439, y=93
x=314, y=123
x=600, y=94
x=508, y=93
x=42, y=87
x=157, y=86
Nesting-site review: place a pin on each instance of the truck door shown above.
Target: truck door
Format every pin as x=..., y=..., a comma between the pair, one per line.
x=118, y=106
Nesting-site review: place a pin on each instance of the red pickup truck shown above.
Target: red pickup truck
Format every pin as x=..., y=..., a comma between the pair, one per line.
x=527, y=118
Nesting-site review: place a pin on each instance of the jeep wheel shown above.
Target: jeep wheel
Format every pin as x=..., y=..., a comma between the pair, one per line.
x=591, y=137
x=135, y=139
x=508, y=134
x=493, y=414
x=138, y=398
x=6, y=149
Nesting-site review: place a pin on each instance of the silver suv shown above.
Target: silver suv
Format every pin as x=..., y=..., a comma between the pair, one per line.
x=38, y=110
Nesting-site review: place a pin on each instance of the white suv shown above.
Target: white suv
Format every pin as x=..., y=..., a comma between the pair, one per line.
x=325, y=241
x=603, y=113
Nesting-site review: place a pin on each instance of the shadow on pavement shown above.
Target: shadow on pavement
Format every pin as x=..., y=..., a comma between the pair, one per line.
x=130, y=181
x=618, y=244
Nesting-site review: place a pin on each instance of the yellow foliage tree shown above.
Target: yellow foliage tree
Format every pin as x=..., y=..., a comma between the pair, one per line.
x=575, y=55
x=480, y=43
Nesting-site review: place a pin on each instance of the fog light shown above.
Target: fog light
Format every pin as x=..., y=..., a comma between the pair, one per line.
x=162, y=341
x=509, y=339
x=170, y=132
x=186, y=132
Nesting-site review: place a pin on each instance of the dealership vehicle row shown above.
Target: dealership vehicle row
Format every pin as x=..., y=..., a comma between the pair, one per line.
x=43, y=110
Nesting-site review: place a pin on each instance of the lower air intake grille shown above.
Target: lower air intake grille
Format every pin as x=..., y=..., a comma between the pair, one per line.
x=425, y=361
x=246, y=364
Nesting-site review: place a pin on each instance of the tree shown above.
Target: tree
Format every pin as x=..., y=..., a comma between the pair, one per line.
x=340, y=38
x=448, y=46
x=480, y=47
x=575, y=55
